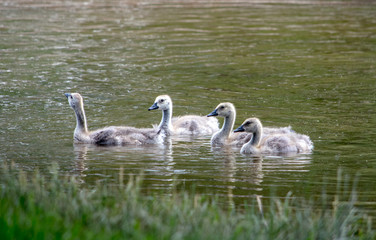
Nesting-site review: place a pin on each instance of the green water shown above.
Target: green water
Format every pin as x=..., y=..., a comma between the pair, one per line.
x=311, y=66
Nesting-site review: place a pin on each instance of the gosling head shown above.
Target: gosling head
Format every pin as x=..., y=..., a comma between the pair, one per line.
x=162, y=102
x=223, y=110
x=75, y=100
x=250, y=125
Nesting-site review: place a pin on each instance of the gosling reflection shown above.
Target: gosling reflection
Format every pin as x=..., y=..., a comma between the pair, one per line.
x=162, y=162
x=92, y=162
x=229, y=169
x=242, y=174
x=255, y=172
x=80, y=152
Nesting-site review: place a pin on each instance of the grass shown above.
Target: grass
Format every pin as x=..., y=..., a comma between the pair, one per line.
x=55, y=207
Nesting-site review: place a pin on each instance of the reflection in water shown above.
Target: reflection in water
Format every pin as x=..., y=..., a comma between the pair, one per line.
x=234, y=173
x=161, y=155
x=80, y=152
x=243, y=175
x=229, y=172
x=290, y=57
x=288, y=163
x=255, y=171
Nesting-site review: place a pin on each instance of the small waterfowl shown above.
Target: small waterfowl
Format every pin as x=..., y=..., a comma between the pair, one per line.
x=277, y=142
x=182, y=125
x=113, y=135
x=225, y=136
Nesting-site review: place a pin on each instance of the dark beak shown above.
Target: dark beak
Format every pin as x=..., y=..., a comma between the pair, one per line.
x=67, y=95
x=212, y=114
x=239, y=129
x=153, y=107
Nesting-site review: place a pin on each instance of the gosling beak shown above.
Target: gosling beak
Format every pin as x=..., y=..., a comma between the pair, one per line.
x=214, y=113
x=153, y=107
x=239, y=129
x=67, y=95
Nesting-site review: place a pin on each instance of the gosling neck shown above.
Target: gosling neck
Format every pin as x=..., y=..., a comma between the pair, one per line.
x=256, y=137
x=166, y=123
x=222, y=135
x=81, y=125
x=228, y=124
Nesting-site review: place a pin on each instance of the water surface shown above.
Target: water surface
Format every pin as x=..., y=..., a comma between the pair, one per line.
x=311, y=66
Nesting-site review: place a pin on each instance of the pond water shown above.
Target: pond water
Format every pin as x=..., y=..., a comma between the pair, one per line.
x=310, y=65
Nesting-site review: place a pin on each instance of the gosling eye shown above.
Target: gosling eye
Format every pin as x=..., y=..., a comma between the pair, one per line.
x=162, y=100
x=221, y=107
x=71, y=97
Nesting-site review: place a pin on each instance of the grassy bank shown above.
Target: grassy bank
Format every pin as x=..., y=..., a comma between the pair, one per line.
x=34, y=208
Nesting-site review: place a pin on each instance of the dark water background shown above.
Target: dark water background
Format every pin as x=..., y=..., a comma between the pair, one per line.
x=311, y=65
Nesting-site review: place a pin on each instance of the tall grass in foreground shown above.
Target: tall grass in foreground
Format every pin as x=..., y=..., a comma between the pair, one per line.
x=34, y=208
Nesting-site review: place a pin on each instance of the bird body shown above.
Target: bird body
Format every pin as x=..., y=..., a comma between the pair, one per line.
x=182, y=125
x=113, y=135
x=284, y=141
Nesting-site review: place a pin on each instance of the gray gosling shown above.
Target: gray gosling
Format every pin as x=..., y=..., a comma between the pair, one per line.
x=182, y=125
x=113, y=135
x=225, y=136
x=287, y=142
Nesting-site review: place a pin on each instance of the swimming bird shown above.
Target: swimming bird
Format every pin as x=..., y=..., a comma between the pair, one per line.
x=182, y=125
x=113, y=135
x=287, y=142
x=225, y=136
